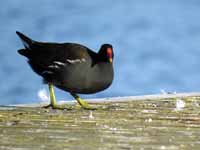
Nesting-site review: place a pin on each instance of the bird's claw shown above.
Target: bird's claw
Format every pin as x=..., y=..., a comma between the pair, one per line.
x=56, y=106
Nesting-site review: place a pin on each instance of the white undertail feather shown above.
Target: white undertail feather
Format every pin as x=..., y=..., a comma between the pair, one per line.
x=26, y=45
x=43, y=95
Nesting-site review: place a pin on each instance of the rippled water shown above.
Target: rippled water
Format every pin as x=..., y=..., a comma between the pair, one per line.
x=156, y=43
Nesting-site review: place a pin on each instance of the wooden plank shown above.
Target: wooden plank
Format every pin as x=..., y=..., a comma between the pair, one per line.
x=169, y=121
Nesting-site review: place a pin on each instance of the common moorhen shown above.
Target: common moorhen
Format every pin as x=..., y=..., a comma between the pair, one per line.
x=69, y=66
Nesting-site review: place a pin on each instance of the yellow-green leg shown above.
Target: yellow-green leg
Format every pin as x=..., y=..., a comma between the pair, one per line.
x=82, y=103
x=53, y=102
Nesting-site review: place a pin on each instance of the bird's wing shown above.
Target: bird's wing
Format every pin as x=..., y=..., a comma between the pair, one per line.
x=50, y=59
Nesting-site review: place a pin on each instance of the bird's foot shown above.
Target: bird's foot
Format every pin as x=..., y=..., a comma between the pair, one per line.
x=53, y=104
x=60, y=106
x=83, y=103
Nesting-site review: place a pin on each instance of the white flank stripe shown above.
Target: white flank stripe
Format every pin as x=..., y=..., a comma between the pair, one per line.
x=59, y=63
x=49, y=72
x=53, y=66
x=73, y=61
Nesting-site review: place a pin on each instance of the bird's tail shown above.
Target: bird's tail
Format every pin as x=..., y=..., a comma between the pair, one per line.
x=25, y=52
x=26, y=40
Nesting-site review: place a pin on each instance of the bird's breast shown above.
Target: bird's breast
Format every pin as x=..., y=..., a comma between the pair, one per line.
x=85, y=79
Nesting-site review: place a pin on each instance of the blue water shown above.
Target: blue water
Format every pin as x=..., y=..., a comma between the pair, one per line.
x=156, y=43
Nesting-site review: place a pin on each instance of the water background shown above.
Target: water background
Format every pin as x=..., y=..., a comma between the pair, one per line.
x=156, y=43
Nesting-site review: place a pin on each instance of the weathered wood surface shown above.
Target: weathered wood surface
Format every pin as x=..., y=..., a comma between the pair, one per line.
x=169, y=121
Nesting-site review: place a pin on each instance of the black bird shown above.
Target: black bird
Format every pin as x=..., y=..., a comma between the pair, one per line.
x=69, y=66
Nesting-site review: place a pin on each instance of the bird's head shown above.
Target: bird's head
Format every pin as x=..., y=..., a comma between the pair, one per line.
x=106, y=53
